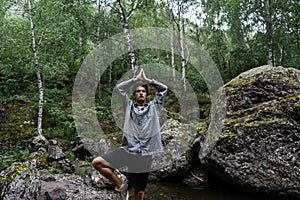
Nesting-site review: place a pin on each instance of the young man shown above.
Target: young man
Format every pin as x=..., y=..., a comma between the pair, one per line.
x=141, y=137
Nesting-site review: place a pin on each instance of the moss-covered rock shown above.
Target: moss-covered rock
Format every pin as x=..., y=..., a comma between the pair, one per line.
x=17, y=120
x=258, y=148
x=20, y=181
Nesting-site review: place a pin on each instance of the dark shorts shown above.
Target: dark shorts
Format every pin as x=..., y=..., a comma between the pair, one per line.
x=138, y=181
x=137, y=166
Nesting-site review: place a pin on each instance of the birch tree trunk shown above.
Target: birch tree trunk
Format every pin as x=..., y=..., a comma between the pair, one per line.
x=125, y=20
x=281, y=54
x=109, y=50
x=171, y=25
x=157, y=33
x=96, y=44
x=269, y=27
x=80, y=38
x=183, y=65
x=38, y=71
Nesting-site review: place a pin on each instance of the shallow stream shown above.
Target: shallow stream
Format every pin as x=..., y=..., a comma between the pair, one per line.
x=177, y=191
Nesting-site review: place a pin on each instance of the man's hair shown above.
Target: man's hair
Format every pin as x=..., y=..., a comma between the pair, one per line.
x=144, y=86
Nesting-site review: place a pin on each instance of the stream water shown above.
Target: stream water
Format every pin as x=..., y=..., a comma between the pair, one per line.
x=177, y=191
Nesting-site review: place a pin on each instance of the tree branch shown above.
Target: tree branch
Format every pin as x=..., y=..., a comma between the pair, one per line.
x=121, y=11
x=133, y=8
x=198, y=178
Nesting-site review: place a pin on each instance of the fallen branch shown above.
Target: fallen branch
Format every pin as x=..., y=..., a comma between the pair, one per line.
x=198, y=178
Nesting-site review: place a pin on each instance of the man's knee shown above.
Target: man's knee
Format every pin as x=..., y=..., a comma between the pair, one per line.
x=139, y=193
x=98, y=162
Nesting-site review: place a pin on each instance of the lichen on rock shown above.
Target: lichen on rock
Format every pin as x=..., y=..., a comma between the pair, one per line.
x=258, y=147
x=20, y=181
x=17, y=121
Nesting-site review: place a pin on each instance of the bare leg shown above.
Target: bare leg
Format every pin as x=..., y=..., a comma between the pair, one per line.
x=139, y=195
x=101, y=165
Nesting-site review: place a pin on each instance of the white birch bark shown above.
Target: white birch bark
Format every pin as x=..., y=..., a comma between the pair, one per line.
x=171, y=25
x=38, y=71
x=156, y=31
x=96, y=45
x=269, y=27
x=183, y=58
x=183, y=66
x=281, y=54
x=125, y=20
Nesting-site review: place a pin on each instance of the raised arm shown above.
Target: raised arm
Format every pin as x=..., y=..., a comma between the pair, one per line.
x=142, y=79
x=125, y=85
x=161, y=92
x=160, y=87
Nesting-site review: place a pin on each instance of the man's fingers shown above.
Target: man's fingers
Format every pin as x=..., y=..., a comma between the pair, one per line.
x=143, y=74
x=139, y=76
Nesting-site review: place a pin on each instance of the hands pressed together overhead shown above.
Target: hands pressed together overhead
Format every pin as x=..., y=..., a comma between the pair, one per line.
x=142, y=77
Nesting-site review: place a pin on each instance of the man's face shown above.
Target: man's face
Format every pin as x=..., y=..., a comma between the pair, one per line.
x=140, y=93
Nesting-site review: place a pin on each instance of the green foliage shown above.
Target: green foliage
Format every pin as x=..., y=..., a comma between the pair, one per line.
x=15, y=73
x=242, y=27
x=54, y=170
x=70, y=155
x=81, y=172
x=231, y=31
x=61, y=125
x=84, y=169
x=12, y=153
x=200, y=126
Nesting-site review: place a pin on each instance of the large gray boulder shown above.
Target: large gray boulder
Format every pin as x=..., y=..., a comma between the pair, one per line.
x=259, y=146
x=176, y=161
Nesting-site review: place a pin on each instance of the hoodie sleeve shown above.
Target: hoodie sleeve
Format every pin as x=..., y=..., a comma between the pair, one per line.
x=161, y=92
x=122, y=91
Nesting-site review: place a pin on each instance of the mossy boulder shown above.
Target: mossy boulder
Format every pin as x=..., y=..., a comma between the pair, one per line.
x=17, y=120
x=258, y=148
x=21, y=180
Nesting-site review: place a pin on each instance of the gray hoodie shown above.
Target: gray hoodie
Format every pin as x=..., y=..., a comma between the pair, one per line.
x=141, y=131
